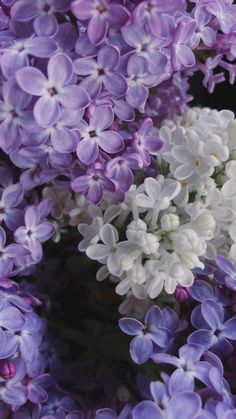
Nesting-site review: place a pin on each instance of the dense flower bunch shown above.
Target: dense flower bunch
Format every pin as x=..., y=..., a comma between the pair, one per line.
x=100, y=152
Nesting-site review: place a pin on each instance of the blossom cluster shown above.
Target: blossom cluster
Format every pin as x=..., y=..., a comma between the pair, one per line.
x=100, y=152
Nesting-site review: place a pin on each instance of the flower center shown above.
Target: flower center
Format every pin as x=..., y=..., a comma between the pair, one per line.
x=92, y=134
x=101, y=8
x=52, y=92
x=197, y=163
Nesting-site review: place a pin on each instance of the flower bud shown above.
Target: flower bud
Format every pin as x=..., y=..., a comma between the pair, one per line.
x=182, y=294
x=7, y=370
x=169, y=222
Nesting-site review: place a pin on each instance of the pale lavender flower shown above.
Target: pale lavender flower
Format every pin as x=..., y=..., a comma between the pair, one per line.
x=34, y=232
x=101, y=14
x=96, y=135
x=94, y=183
x=41, y=12
x=102, y=73
x=55, y=91
x=145, y=143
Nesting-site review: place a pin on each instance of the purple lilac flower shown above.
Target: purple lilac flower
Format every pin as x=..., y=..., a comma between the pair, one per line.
x=101, y=15
x=16, y=55
x=13, y=115
x=224, y=13
x=204, y=32
x=11, y=197
x=139, y=80
x=146, y=335
x=145, y=143
x=153, y=12
x=95, y=136
x=181, y=53
x=189, y=401
x=94, y=183
x=8, y=254
x=119, y=170
x=34, y=232
x=226, y=273
x=214, y=331
x=187, y=362
x=147, y=46
x=41, y=12
x=54, y=91
x=102, y=73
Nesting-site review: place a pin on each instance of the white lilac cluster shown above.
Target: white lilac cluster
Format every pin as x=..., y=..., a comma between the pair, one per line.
x=169, y=225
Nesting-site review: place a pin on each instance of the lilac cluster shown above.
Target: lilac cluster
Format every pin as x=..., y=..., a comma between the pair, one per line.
x=75, y=72
x=200, y=354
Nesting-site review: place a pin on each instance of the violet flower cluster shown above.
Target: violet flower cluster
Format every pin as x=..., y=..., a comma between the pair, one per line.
x=98, y=145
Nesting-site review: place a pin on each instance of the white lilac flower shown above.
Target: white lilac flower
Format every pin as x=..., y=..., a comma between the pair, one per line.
x=229, y=187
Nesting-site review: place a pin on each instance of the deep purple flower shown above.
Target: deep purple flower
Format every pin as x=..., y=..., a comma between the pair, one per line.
x=145, y=143
x=101, y=14
x=102, y=73
x=182, y=294
x=95, y=136
x=41, y=12
x=34, y=232
x=141, y=347
x=213, y=331
x=54, y=91
x=94, y=183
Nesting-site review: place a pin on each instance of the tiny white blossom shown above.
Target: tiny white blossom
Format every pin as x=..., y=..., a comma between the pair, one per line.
x=169, y=222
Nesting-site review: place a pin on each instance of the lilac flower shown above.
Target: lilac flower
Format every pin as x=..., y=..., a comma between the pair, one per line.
x=95, y=135
x=11, y=197
x=189, y=401
x=226, y=273
x=141, y=347
x=138, y=82
x=187, y=362
x=102, y=73
x=94, y=183
x=181, y=53
x=34, y=232
x=12, y=391
x=54, y=91
x=147, y=46
x=204, y=32
x=13, y=115
x=119, y=170
x=101, y=14
x=9, y=253
x=16, y=54
x=145, y=143
x=224, y=13
x=41, y=12
x=213, y=331
x=152, y=11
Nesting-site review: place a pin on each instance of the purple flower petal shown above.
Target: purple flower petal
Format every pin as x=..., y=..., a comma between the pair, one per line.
x=191, y=403
x=85, y=66
x=141, y=349
x=64, y=140
x=44, y=231
x=46, y=111
x=116, y=84
x=74, y=97
x=147, y=409
x=97, y=29
x=205, y=338
x=46, y=25
x=12, y=195
x=11, y=318
x=191, y=352
x=212, y=313
x=108, y=57
x=229, y=329
x=111, y=142
x=130, y=326
x=102, y=118
x=118, y=15
x=87, y=150
x=41, y=46
x=24, y=10
x=82, y=9
x=12, y=61
x=32, y=81
x=153, y=318
x=60, y=69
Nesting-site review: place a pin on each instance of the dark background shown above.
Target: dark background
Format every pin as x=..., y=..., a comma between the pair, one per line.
x=223, y=97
